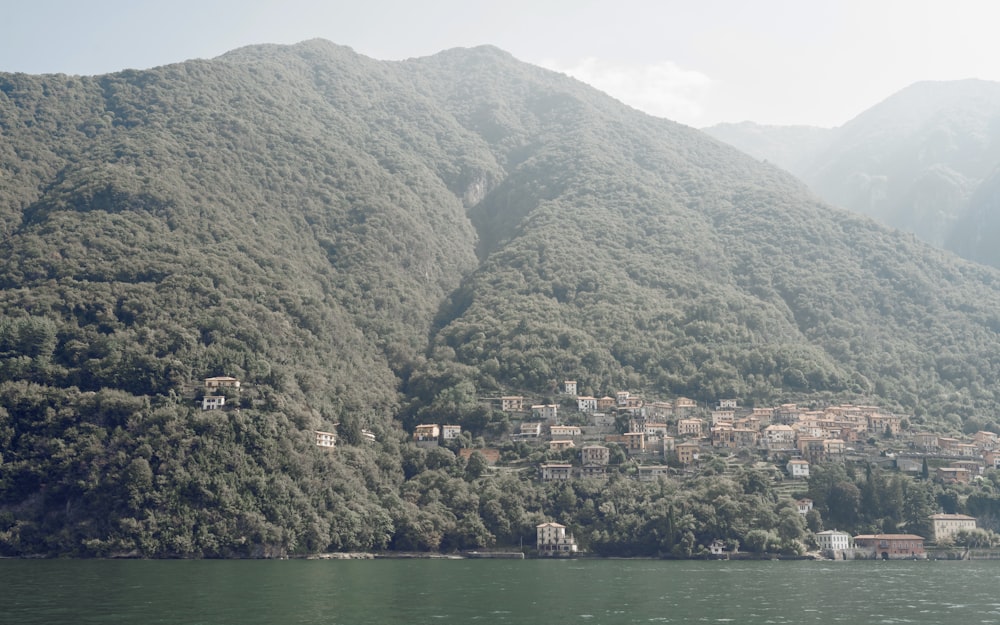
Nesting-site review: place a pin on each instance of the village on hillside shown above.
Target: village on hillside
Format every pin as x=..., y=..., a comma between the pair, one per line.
x=671, y=439
x=652, y=440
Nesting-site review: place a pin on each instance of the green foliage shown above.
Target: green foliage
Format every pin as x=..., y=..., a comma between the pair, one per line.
x=368, y=246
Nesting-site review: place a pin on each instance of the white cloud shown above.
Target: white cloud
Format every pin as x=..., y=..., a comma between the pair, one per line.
x=662, y=89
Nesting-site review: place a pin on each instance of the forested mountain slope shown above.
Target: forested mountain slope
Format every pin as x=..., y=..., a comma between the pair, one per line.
x=913, y=161
x=638, y=253
x=367, y=243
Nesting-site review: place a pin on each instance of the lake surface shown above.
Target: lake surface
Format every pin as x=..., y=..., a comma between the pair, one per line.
x=522, y=592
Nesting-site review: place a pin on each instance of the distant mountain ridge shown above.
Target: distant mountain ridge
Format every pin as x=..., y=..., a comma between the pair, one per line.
x=913, y=161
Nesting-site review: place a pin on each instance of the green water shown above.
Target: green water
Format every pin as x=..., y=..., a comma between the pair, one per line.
x=524, y=592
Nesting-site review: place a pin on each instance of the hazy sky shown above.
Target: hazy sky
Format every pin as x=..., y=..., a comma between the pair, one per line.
x=699, y=62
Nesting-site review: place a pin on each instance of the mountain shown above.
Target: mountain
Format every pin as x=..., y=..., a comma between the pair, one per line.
x=370, y=245
x=790, y=147
x=976, y=230
x=913, y=161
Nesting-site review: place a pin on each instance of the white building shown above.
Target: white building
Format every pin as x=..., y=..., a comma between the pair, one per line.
x=553, y=472
x=562, y=431
x=798, y=468
x=833, y=540
x=326, y=439
x=554, y=541
x=947, y=525
x=213, y=402
x=595, y=455
x=532, y=429
x=545, y=412
x=222, y=381
x=512, y=403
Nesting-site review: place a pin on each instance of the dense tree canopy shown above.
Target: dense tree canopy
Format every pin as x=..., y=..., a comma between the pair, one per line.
x=369, y=245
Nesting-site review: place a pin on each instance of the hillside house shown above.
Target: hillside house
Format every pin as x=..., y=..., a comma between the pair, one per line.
x=606, y=403
x=992, y=459
x=512, y=403
x=325, y=439
x=565, y=431
x=975, y=467
x=787, y=414
x=947, y=525
x=669, y=445
x=810, y=447
x=426, y=435
x=727, y=404
x=749, y=422
x=222, y=381
x=880, y=423
x=651, y=472
x=594, y=472
x=621, y=398
x=722, y=436
x=804, y=505
x=687, y=453
x=654, y=431
x=560, y=445
x=635, y=442
x=833, y=448
x=545, y=412
x=778, y=437
x=891, y=546
x=212, y=402
x=595, y=455
x=450, y=432
x=947, y=444
x=745, y=437
x=586, y=403
x=569, y=387
x=552, y=540
x=634, y=405
x=952, y=475
x=985, y=440
x=690, y=427
x=603, y=420
x=723, y=416
x=798, y=469
x=531, y=429
x=765, y=415
x=660, y=410
x=684, y=406
x=552, y=472
x=967, y=450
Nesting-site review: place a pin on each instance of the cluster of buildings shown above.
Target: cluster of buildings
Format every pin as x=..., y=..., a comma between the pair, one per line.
x=553, y=540
x=213, y=399
x=790, y=435
x=432, y=434
x=841, y=545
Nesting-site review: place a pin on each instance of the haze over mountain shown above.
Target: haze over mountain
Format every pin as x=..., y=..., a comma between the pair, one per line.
x=913, y=161
x=373, y=244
